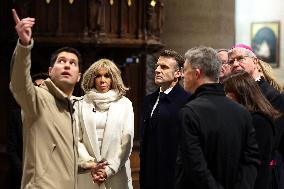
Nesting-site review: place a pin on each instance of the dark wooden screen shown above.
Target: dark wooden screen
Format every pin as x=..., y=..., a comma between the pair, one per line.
x=125, y=31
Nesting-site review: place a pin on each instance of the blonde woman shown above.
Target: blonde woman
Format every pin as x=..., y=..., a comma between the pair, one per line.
x=267, y=72
x=106, y=129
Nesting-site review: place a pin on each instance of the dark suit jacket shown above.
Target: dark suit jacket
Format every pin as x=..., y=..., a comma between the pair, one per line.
x=158, y=146
x=265, y=131
x=218, y=149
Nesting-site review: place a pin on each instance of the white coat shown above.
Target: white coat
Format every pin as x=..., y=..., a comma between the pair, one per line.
x=116, y=145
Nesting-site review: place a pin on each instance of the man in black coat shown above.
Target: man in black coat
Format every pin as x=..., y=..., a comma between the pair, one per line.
x=217, y=149
x=160, y=127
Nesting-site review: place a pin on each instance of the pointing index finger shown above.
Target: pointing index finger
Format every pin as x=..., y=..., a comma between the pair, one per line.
x=15, y=16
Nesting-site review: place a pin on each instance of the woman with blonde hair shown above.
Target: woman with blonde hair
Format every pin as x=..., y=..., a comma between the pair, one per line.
x=106, y=129
x=267, y=72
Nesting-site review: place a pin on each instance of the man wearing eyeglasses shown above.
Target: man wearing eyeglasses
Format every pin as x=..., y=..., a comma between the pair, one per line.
x=225, y=67
x=242, y=57
x=160, y=127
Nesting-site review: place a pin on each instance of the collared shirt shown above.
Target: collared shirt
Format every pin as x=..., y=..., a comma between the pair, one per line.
x=156, y=103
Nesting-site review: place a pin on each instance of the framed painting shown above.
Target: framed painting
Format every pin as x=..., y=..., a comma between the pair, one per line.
x=265, y=37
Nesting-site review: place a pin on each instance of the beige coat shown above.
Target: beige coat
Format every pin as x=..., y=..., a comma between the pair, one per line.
x=49, y=134
x=116, y=146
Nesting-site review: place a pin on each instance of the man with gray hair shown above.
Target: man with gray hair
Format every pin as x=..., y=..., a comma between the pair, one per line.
x=217, y=147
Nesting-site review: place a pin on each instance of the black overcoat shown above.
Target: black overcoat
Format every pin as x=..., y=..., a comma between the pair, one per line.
x=218, y=149
x=158, y=147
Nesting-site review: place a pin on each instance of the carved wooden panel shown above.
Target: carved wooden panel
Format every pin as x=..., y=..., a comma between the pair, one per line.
x=46, y=17
x=74, y=16
x=60, y=17
x=154, y=18
x=130, y=18
x=111, y=17
x=95, y=21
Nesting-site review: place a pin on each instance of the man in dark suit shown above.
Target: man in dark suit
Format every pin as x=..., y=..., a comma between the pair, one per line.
x=217, y=147
x=160, y=127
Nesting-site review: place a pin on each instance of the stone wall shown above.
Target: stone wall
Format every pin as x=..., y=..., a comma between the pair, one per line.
x=190, y=23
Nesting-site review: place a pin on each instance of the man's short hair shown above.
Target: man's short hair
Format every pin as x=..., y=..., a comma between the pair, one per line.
x=175, y=55
x=205, y=58
x=69, y=50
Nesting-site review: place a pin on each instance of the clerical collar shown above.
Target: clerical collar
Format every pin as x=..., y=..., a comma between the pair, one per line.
x=166, y=91
x=258, y=78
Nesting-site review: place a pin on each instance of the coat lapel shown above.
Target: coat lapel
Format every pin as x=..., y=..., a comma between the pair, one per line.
x=113, y=121
x=153, y=99
x=90, y=128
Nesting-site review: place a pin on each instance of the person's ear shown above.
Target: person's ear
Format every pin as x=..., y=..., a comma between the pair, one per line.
x=178, y=73
x=197, y=73
x=79, y=77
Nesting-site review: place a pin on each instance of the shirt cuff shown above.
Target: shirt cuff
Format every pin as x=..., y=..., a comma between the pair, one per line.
x=109, y=171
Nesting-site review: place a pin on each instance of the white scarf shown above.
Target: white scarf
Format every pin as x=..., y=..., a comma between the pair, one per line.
x=102, y=101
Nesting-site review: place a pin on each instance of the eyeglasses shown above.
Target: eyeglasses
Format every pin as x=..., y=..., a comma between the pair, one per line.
x=239, y=59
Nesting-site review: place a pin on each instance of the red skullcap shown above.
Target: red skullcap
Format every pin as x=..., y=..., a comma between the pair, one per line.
x=241, y=45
